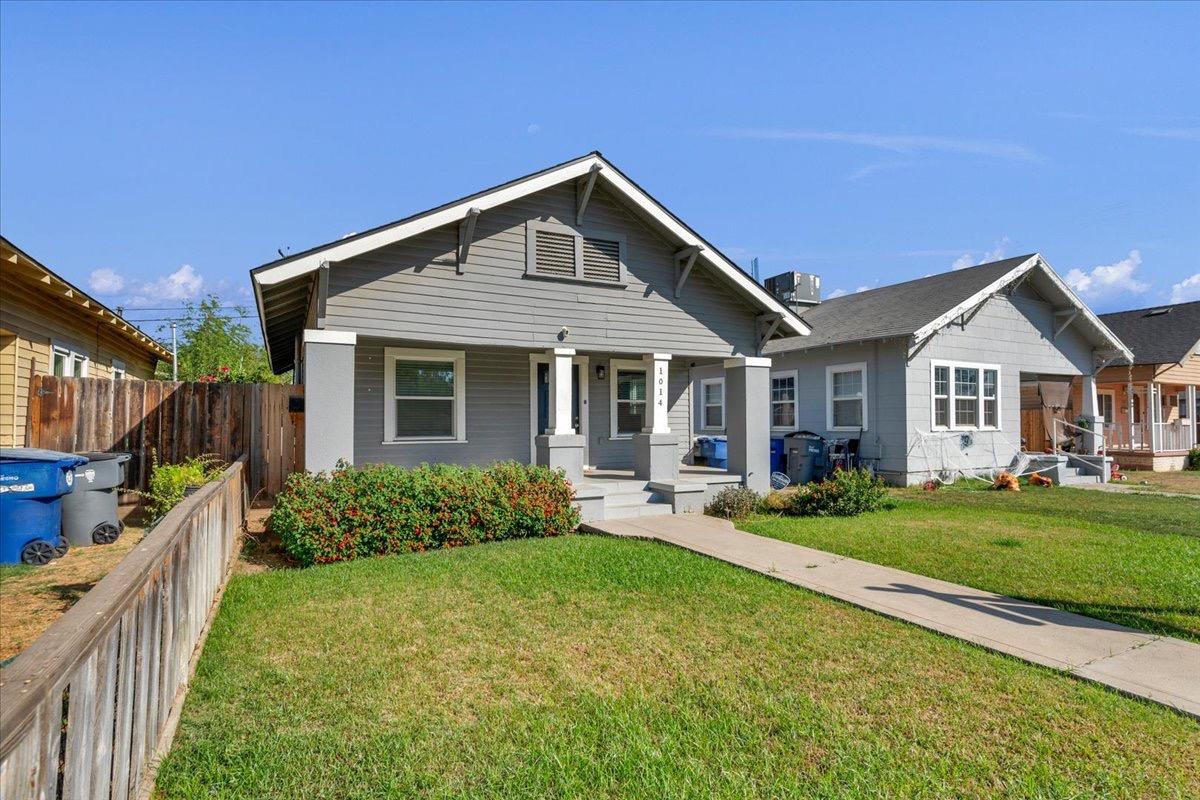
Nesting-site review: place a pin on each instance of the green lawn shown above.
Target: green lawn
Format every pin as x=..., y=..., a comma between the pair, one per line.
x=592, y=667
x=1131, y=559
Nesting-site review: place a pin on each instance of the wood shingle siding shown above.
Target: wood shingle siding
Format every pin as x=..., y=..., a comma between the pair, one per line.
x=411, y=290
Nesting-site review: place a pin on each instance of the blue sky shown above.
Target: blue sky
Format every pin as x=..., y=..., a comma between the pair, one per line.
x=155, y=152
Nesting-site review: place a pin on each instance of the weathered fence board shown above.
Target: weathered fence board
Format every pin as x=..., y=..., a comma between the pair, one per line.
x=171, y=421
x=92, y=705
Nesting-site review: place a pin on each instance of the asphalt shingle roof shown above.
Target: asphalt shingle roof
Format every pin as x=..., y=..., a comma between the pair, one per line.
x=1155, y=337
x=893, y=311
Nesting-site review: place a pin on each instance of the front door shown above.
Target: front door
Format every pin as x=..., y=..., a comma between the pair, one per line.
x=541, y=404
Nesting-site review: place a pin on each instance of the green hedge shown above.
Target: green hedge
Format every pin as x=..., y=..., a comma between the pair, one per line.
x=847, y=493
x=380, y=509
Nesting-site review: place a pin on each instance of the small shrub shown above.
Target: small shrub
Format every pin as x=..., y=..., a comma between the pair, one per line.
x=1193, y=458
x=169, y=482
x=381, y=509
x=847, y=494
x=733, y=502
x=778, y=502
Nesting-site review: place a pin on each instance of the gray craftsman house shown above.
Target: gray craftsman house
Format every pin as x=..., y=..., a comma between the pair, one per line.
x=554, y=319
x=945, y=374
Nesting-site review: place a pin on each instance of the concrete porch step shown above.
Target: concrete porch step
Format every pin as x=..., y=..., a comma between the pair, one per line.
x=632, y=510
x=628, y=498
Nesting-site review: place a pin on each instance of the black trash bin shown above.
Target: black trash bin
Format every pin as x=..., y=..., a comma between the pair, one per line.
x=89, y=514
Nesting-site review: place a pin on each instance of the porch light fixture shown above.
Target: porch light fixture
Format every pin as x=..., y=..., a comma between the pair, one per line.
x=600, y=372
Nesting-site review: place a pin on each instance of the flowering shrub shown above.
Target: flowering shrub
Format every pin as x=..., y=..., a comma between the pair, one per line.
x=848, y=493
x=381, y=509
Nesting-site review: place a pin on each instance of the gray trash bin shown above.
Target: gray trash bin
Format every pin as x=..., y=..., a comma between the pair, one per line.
x=90, y=516
x=805, y=454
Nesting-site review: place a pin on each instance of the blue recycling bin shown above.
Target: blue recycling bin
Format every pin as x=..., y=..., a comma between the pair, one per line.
x=718, y=449
x=778, y=456
x=32, y=483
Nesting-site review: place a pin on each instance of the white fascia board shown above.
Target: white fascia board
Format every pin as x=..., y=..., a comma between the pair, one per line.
x=311, y=335
x=1074, y=299
x=395, y=233
x=708, y=253
x=930, y=328
x=455, y=213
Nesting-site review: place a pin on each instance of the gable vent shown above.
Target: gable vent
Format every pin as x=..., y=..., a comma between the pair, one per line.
x=601, y=260
x=555, y=253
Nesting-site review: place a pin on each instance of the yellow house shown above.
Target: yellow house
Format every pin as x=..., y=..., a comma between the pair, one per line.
x=49, y=327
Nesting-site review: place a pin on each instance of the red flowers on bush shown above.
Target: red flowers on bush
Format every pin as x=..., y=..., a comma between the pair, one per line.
x=381, y=509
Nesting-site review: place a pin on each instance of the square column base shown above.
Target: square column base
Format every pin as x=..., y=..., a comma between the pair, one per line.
x=562, y=451
x=656, y=456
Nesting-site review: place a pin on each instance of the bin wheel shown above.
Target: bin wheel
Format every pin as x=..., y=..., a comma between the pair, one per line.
x=62, y=547
x=105, y=533
x=38, y=552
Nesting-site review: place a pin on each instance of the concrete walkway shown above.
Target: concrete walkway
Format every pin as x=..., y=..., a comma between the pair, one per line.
x=1156, y=668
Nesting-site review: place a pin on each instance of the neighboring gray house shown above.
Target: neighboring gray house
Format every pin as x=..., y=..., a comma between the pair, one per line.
x=929, y=374
x=555, y=318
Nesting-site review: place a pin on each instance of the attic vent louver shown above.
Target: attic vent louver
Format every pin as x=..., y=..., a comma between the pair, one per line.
x=555, y=253
x=601, y=260
x=1157, y=312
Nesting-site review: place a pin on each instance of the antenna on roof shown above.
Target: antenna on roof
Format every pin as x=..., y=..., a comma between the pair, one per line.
x=754, y=268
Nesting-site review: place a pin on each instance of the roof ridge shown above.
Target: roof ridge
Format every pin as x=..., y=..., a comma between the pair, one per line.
x=1150, y=308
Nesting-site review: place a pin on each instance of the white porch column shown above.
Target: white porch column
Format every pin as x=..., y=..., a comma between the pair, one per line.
x=328, y=393
x=1150, y=415
x=1091, y=406
x=655, y=449
x=747, y=421
x=560, y=447
x=560, y=391
x=1190, y=399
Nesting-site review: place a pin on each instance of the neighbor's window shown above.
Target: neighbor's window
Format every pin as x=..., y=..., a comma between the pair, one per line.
x=424, y=395
x=713, y=392
x=118, y=370
x=965, y=396
x=553, y=250
x=1181, y=401
x=783, y=400
x=67, y=363
x=1107, y=407
x=630, y=401
x=846, y=388
x=941, y=397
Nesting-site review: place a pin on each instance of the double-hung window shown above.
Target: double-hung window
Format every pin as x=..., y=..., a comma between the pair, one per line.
x=424, y=395
x=67, y=362
x=712, y=392
x=846, y=397
x=965, y=396
x=628, y=397
x=783, y=400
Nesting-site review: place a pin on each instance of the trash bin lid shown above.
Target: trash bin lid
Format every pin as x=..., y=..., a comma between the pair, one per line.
x=99, y=456
x=37, y=454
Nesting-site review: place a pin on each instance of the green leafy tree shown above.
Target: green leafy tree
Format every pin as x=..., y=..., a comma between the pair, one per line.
x=215, y=345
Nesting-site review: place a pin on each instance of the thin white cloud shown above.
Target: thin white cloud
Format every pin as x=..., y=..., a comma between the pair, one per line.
x=836, y=293
x=907, y=144
x=1182, y=134
x=1186, y=290
x=1109, y=279
x=867, y=170
x=533, y=129
x=105, y=281
x=180, y=286
x=968, y=259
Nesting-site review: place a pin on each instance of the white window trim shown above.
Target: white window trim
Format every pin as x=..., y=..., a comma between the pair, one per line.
x=1112, y=395
x=795, y=376
x=629, y=366
x=578, y=234
x=858, y=366
x=1181, y=404
x=459, y=357
x=952, y=418
x=118, y=366
x=704, y=404
x=71, y=353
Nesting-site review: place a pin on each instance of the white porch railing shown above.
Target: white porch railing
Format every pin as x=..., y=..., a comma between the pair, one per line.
x=1172, y=436
x=1167, y=436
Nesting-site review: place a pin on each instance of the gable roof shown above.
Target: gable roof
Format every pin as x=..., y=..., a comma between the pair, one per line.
x=286, y=270
x=919, y=308
x=63, y=291
x=1158, y=335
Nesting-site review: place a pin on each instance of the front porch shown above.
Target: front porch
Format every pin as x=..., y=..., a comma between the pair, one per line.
x=607, y=494
x=1149, y=425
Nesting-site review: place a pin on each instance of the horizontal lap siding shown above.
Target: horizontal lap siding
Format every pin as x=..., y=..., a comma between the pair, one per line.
x=497, y=389
x=605, y=453
x=1017, y=334
x=412, y=290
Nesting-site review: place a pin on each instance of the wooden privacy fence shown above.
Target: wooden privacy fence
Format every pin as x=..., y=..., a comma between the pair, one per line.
x=174, y=420
x=92, y=705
